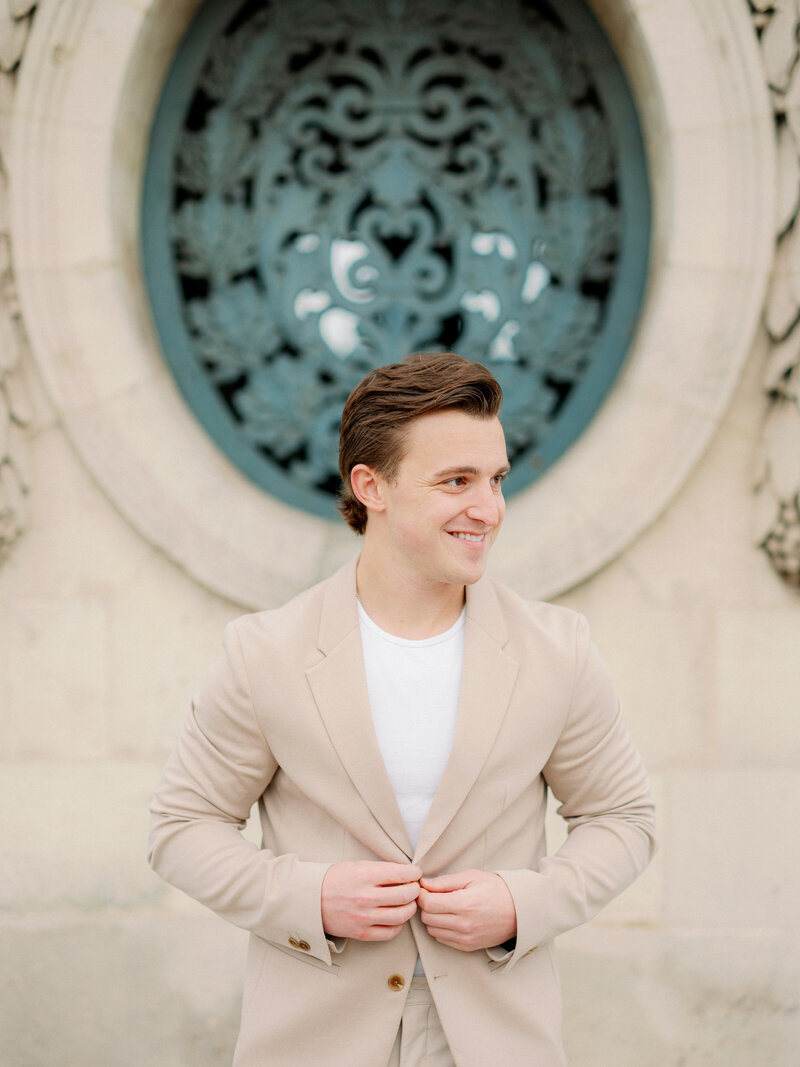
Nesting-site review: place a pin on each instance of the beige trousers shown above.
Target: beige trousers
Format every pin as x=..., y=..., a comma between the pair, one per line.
x=420, y=1040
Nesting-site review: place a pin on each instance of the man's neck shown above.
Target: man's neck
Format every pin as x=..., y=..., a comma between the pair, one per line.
x=404, y=608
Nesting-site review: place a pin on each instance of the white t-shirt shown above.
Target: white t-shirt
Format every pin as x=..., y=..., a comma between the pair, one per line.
x=414, y=688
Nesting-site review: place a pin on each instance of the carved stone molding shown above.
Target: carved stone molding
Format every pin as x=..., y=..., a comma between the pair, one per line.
x=16, y=17
x=778, y=31
x=78, y=158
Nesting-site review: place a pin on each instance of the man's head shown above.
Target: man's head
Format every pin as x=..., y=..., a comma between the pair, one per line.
x=381, y=409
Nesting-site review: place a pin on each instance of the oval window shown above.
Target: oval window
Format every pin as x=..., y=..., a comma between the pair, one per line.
x=331, y=186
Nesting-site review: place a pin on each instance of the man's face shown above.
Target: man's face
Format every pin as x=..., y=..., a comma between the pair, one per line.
x=445, y=507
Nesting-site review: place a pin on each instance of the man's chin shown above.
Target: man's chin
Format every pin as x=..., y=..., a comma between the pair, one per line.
x=475, y=577
x=474, y=573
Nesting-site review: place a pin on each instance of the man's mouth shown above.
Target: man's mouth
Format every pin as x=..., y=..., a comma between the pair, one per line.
x=473, y=538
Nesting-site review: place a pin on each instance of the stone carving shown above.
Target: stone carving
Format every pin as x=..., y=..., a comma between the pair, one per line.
x=778, y=30
x=15, y=23
x=354, y=181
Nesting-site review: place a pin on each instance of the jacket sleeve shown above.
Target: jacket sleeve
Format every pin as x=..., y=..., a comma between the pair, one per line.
x=597, y=775
x=220, y=766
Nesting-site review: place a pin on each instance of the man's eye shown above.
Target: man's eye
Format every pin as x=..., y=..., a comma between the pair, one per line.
x=457, y=482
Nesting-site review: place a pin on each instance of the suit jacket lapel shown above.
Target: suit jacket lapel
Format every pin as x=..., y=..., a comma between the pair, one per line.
x=339, y=686
x=487, y=682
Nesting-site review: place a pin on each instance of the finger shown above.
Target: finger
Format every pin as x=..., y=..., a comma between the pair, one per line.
x=396, y=873
x=379, y=933
x=443, y=922
x=437, y=903
x=393, y=916
x=448, y=923
x=447, y=937
x=388, y=896
x=447, y=883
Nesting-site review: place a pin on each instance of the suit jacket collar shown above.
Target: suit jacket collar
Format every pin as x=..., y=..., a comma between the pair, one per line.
x=339, y=686
x=487, y=682
x=339, y=613
x=340, y=689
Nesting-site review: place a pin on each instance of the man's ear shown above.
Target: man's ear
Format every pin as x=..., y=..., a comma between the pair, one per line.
x=366, y=485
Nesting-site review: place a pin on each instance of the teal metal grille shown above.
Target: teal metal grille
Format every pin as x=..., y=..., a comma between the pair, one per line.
x=332, y=185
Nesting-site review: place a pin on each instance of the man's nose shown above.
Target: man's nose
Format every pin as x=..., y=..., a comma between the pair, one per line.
x=485, y=506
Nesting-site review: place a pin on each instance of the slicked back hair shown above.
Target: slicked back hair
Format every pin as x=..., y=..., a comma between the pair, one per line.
x=377, y=416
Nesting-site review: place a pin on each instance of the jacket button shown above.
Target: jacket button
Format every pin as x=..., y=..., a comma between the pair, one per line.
x=304, y=945
x=294, y=942
x=396, y=982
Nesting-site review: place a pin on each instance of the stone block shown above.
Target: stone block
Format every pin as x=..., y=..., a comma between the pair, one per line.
x=703, y=199
x=648, y=999
x=638, y=476
x=659, y=657
x=693, y=302
x=76, y=544
x=731, y=849
x=164, y=635
x=100, y=322
x=758, y=685
x=53, y=686
x=689, y=84
x=76, y=835
x=703, y=549
x=81, y=188
x=167, y=475
x=117, y=990
x=584, y=512
x=96, y=54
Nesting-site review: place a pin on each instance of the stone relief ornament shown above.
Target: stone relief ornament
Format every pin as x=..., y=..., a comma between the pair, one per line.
x=15, y=22
x=348, y=182
x=778, y=30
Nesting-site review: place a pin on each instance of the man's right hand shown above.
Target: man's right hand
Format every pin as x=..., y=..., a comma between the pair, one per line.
x=368, y=900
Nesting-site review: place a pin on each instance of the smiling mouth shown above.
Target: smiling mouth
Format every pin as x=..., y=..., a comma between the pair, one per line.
x=471, y=538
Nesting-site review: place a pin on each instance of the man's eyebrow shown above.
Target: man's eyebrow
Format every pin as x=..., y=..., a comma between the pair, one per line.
x=448, y=472
x=451, y=472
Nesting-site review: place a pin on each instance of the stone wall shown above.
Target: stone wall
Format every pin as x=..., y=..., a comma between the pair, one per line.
x=107, y=625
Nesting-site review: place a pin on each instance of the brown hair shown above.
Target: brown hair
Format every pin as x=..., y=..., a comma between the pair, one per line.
x=376, y=417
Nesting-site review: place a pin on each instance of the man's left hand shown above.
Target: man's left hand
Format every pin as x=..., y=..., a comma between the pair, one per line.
x=468, y=910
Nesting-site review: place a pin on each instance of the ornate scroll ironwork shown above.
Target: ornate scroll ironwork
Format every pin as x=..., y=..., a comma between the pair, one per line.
x=347, y=181
x=778, y=30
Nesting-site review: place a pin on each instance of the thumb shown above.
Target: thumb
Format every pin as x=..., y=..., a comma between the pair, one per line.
x=446, y=883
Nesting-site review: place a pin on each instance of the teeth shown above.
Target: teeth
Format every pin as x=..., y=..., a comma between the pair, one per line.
x=469, y=537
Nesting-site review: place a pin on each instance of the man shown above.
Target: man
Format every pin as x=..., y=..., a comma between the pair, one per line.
x=398, y=725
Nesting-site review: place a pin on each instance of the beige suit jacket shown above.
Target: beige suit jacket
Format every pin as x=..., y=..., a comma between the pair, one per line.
x=284, y=720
